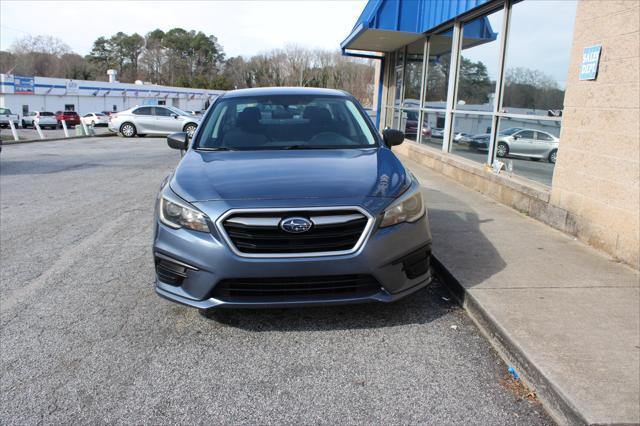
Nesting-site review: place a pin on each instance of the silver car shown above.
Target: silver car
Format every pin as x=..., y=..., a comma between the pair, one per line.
x=6, y=116
x=518, y=142
x=43, y=118
x=534, y=144
x=153, y=120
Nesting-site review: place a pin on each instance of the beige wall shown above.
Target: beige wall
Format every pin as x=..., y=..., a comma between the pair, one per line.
x=597, y=175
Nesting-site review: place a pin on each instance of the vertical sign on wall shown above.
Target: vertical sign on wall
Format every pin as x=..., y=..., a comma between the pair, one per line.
x=23, y=85
x=590, y=60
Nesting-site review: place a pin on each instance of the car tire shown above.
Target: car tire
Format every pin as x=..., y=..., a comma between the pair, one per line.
x=190, y=129
x=128, y=130
x=502, y=150
x=23, y=124
x=552, y=156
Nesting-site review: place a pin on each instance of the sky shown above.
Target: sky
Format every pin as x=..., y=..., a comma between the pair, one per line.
x=242, y=27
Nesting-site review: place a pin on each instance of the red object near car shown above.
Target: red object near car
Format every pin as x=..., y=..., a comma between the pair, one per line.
x=70, y=117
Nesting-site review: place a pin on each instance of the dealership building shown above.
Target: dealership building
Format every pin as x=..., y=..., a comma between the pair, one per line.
x=22, y=94
x=546, y=92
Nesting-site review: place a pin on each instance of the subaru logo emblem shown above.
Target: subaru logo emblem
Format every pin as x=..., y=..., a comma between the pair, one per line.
x=295, y=225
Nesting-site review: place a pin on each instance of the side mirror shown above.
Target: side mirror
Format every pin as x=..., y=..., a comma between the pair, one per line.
x=392, y=137
x=517, y=136
x=178, y=140
x=174, y=115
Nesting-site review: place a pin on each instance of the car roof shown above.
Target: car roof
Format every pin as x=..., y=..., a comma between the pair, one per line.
x=271, y=91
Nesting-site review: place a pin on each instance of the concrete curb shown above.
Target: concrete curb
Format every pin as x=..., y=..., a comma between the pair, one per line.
x=555, y=401
x=105, y=135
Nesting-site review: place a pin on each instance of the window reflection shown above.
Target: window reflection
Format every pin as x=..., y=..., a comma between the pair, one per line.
x=479, y=62
x=433, y=128
x=438, y=69
x=537, y=56
x=470, y=136
x=413, y=75
x=529, y=147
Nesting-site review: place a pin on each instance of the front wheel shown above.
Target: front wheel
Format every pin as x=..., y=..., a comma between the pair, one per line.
x=552, y=156
x=128, y=130
x=503, y=150
x=23, y=124
x=190, y=129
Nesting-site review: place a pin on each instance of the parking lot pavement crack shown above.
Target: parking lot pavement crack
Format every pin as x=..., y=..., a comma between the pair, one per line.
x=65, y=261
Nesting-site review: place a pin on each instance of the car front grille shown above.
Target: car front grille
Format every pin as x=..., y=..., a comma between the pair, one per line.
x=332, y=232
x=296, y=288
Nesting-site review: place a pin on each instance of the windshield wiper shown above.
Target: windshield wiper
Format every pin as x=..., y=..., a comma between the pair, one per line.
x=298, y=147
x=218, y=148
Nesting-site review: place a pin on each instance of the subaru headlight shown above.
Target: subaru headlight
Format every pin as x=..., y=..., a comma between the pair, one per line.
x=408, y=208
x=179, y=214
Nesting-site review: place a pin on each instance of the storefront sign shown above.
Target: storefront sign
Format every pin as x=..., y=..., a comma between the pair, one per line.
x=590, y=60
x=23, y=85
x=72, y=87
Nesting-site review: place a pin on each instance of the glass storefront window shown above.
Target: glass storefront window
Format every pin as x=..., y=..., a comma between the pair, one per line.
x=438, y=69
x=470, y=136
x=537, y=56
x=413, y=75
x=409, y=124
x=433, y=128
x=479, y=62
x=528, y=147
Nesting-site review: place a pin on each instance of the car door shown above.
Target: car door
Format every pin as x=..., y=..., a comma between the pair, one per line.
x=542, y=144
x=144, y=119
x=522, y=142
x=166, y=120
x=28, y=119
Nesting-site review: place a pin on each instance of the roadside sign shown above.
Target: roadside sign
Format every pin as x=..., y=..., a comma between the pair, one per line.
x=72, y=87
x=590, y=60
x=23, y=85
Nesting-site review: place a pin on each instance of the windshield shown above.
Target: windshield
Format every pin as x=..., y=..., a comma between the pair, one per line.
x=285, y=122
x=178, y=111
x=46, y=114
x=5, y=111
x=510, y=131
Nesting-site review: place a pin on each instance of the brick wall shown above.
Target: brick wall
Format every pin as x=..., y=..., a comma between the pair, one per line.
x=597, y=174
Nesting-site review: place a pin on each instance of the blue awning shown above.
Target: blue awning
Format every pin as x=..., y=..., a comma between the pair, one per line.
x=386, y=25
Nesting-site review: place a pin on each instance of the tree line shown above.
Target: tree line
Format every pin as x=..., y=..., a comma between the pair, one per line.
x=189, y=59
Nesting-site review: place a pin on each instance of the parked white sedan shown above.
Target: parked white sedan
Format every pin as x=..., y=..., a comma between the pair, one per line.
x=154, y=120
x=95, y=119
x=43, y=118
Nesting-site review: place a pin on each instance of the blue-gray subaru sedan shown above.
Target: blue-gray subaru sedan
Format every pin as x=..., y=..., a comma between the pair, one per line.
x=289, y=197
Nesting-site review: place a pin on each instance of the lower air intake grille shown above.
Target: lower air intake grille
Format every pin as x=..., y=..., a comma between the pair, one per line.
x=296, y=288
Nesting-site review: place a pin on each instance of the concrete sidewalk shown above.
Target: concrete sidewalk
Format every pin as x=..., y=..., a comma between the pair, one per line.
x=566, y=316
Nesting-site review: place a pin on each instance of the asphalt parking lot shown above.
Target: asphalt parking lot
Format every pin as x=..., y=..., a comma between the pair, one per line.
x=84, y=339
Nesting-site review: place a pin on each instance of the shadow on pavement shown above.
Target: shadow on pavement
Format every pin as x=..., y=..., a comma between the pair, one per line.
x=459, y=243
x=421, y=307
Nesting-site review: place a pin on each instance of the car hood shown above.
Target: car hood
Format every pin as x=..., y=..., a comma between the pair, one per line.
x=295, y=174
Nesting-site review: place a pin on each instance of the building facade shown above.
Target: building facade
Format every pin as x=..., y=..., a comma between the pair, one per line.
x=22, y=94
x=546, y=92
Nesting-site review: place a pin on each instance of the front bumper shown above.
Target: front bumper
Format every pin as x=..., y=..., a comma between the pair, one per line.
x=397, y=258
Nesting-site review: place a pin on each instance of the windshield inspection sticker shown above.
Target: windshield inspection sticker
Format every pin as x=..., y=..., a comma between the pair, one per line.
x=590, y=60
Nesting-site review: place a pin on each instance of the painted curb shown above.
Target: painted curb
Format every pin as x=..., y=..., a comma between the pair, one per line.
x=557, y=404
x=105, y=135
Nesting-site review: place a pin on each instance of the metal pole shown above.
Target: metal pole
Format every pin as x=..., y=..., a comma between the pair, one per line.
x=37, y=126
x=13, y=130
x=84, y=127
x=451, y=91
x=64, y=127
x=497, y=100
